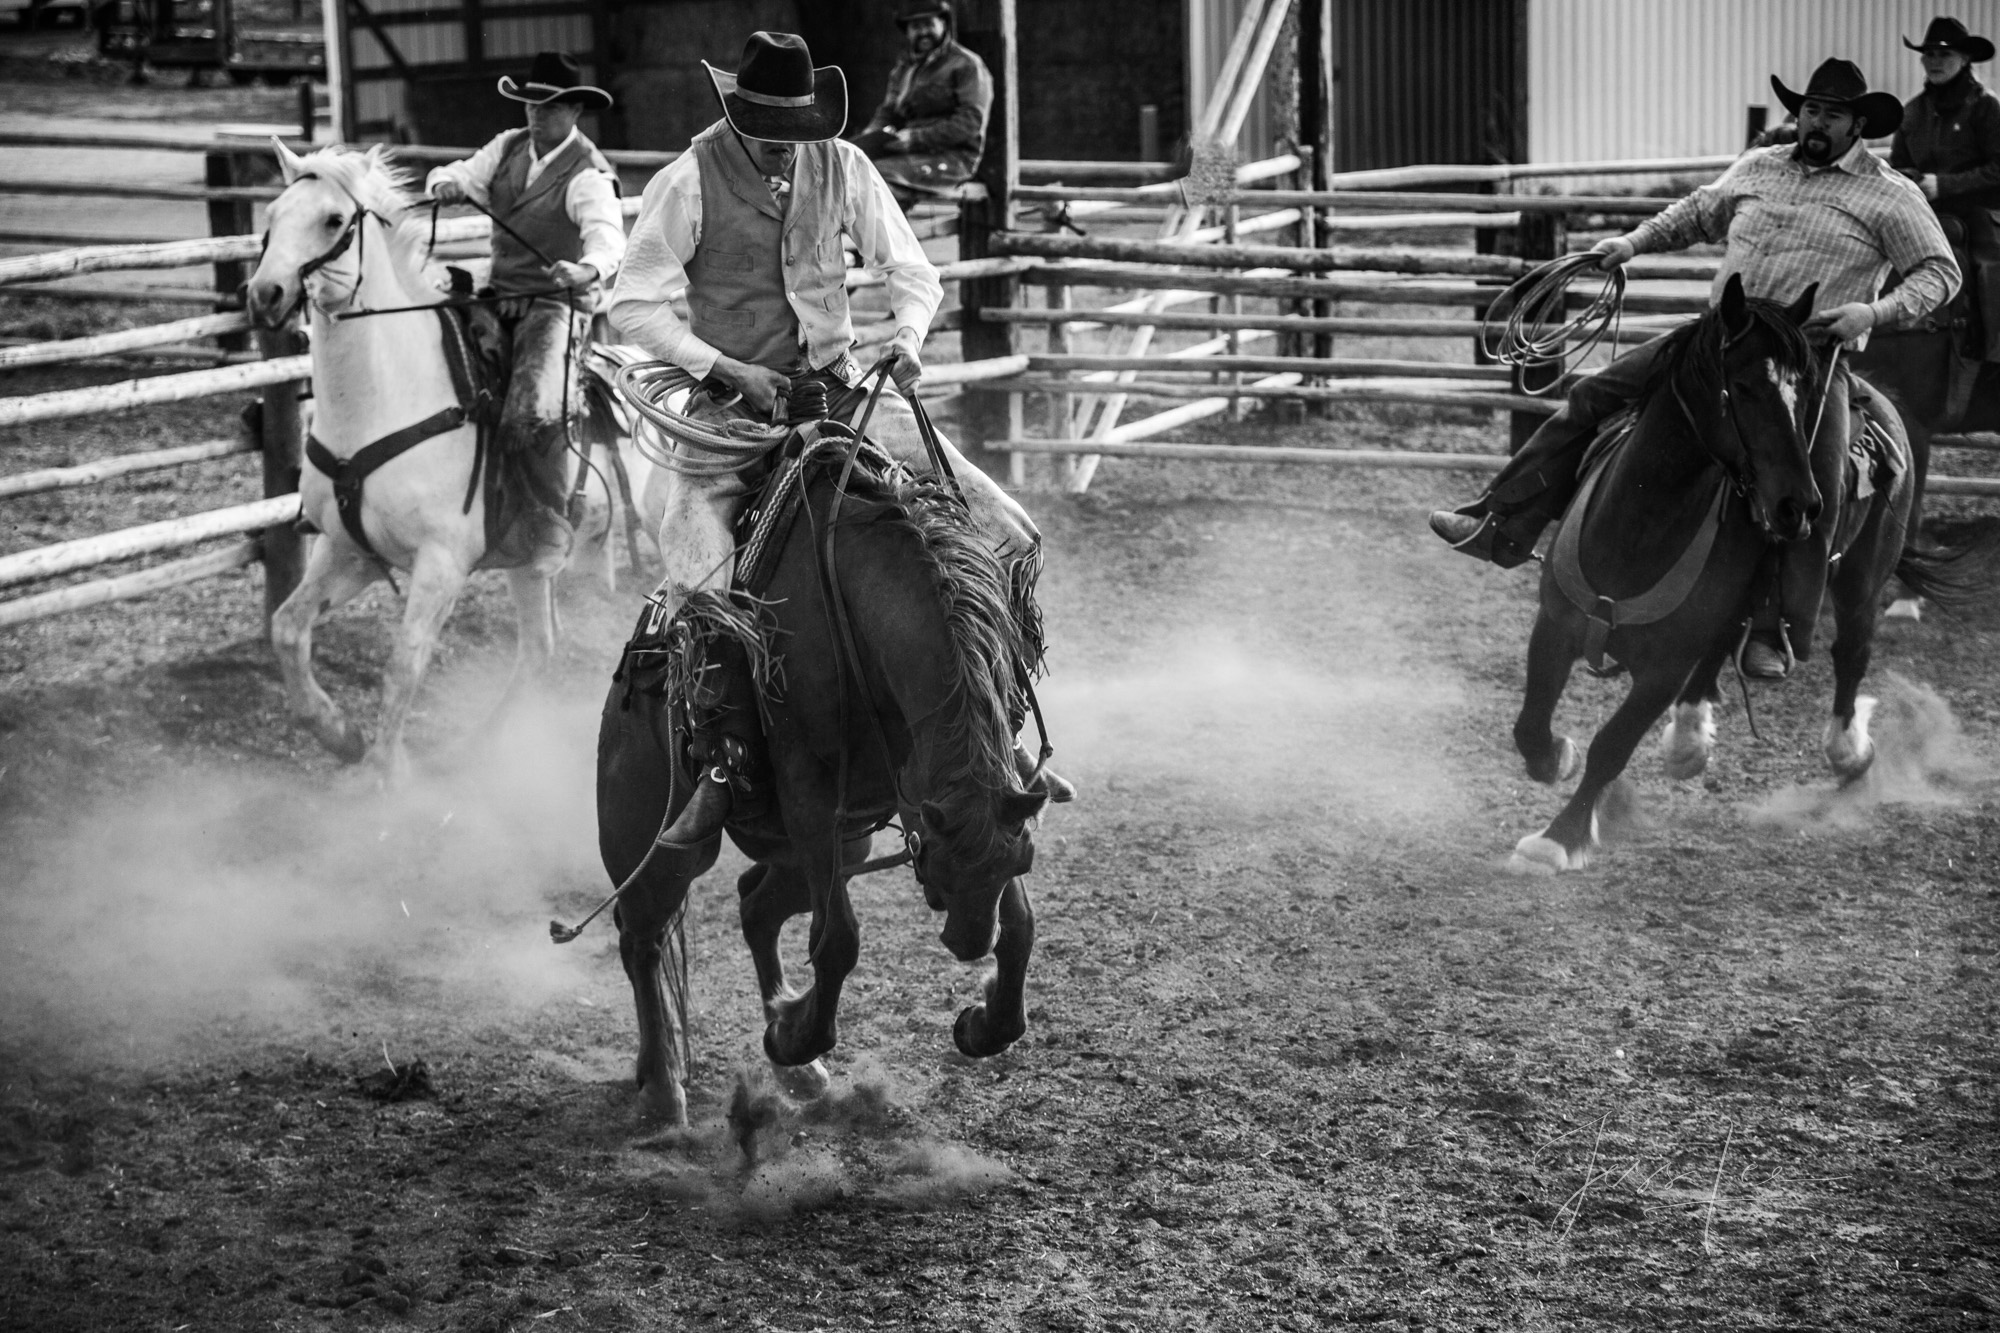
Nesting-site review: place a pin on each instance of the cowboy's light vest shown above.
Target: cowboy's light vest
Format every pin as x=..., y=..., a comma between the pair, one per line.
x=754, y=260
x=539, y=212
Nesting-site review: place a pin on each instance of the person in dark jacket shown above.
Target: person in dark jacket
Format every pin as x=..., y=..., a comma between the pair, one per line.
x=930, y=130
x=1949, y=145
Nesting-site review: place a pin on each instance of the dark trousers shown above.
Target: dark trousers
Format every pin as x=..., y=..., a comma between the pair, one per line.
x=1539, y=482
x=548, y=340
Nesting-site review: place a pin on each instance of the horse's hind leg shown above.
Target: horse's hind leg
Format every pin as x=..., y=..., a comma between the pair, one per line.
x=435, y=582
x=990, y=1028
x=335, y=573
x=1549, y=758
x=1689, y=736
x=1565, y=844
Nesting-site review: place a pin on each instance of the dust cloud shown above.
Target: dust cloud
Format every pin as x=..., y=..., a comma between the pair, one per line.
x=1255, y=731
x=225, y=907
x=1922, y=757
x=773, y=1158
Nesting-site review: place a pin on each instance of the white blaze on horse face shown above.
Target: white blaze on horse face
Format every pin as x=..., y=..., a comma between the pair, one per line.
x=1787, y=382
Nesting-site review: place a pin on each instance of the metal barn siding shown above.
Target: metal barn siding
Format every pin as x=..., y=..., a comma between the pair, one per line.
x=1420, y=81
x=1672, y=78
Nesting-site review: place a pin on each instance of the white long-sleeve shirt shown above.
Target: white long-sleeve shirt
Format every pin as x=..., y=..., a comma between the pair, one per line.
x=590, y=201
x=669, y=228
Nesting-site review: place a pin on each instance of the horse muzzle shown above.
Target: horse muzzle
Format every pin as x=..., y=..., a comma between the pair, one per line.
x=969, y=939
x=265, y=300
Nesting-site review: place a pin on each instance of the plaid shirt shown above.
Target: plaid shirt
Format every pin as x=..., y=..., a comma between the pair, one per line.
x=1846, y=226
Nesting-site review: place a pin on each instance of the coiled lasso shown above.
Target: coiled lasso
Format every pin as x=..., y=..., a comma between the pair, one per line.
x=1534, y=327
x=738, y=445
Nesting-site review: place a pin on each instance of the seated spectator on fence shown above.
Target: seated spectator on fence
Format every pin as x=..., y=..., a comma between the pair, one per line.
x=929, y=132
x=1949, y=144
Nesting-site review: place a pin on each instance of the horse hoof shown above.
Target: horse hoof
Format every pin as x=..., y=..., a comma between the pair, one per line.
x=783, y=1059
x=346, y=742
x=1685, y=744
x=976, y=1037
x=1850, y=750
x=803, y=1083
x=1568, y=760
x=1539, y=854
x=663, y=1102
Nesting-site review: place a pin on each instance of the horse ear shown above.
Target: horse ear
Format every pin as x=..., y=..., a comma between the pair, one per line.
x=1799, y=309
x=1734, y=305
x=1018, y=807
x=288, y=162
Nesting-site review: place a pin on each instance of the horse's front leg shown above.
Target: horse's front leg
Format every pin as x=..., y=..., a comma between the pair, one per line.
x=769, y=895
x=1565, y=844
x=335, y=573
x=435, y=581
x=1689, y=737
x=808, y=1027
x=1550, y=656
x=990, y=1028
x=1857, y=596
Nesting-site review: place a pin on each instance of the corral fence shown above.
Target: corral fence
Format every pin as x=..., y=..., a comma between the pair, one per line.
x=1211, y=249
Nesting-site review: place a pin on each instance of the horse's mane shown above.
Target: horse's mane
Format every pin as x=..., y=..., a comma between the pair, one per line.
x=995, y=630
x=1695, y=350
x=388, y=191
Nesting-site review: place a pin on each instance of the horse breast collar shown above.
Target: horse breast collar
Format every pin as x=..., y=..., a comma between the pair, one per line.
x=1656, y=603
x=348, y=474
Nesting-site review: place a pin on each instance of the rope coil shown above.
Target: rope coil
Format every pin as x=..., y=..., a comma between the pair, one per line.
x=1534, y=327
x=738, y=445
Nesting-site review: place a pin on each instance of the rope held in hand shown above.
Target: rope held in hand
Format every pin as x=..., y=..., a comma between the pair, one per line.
x=1534, y=327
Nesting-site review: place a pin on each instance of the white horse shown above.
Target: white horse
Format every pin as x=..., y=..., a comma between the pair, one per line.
x=343, y=237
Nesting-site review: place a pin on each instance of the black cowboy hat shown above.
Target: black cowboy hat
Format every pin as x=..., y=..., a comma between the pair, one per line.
x=925, y=9
x=1950, y=33
x=776, y=93
x=555, y=77
x=1842, y=81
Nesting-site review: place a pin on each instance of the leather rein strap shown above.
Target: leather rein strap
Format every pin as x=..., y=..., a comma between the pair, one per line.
x=348, y=474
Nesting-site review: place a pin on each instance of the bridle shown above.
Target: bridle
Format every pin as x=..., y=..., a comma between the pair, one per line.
x=353, y=235
x=1743, y=479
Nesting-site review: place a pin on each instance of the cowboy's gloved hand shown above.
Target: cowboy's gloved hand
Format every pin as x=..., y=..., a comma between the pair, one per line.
x=1844, y=323
x=576, y=277
x=760, y=387
x=448, y=192
x=1613, y=251
x=908, y=369
x=899, y=140
x=1929, y=185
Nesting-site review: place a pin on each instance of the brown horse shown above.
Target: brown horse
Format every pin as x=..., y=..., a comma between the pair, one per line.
x=912, y=718
x=1658, y=559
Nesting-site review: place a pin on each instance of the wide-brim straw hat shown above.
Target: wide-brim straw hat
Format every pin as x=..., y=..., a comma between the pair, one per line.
x=1842, y=81
x=1950, y=33
x=776, y=93
x=555, y=77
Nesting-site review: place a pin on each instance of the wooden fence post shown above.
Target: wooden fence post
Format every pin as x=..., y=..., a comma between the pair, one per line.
x=283, y=439
x=987, y=415
x=229, y=217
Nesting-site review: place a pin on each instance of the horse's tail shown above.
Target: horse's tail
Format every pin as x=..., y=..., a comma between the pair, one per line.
x=1957, y=577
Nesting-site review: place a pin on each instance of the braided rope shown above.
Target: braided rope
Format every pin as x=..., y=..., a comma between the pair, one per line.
x=1533, y=322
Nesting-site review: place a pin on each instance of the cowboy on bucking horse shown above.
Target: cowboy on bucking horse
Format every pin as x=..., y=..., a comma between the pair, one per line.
x=750, y=227
x=1823, y=211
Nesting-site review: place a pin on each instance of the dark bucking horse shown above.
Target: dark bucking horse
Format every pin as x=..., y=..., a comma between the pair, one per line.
x=1655, y=567
x=894, y=648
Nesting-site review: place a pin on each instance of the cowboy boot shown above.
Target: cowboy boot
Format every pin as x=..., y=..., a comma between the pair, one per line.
x=725, y=738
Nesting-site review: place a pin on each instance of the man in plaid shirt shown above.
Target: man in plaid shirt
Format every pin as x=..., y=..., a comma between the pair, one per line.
x=1824, y=210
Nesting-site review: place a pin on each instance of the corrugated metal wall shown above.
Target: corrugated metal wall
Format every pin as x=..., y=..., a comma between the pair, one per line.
x=1670, y=78
x=1419, y=81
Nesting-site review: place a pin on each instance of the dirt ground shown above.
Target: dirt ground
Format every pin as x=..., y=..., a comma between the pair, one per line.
x=1303, y=1053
